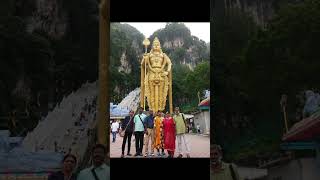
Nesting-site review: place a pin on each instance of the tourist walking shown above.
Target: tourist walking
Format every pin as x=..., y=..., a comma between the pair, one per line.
x=180, y=133
x=169, y=135
x=82, y=116
x=114, y=129
x=149, y=135
x=198, y=128
x=127, y=126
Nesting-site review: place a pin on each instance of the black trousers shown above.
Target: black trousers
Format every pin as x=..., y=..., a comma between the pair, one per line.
x=127, y=135
x=139, y=141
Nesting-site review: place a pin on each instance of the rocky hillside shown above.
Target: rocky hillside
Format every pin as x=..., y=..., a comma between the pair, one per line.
x=47, y=49
x=261, y=10
x=127, y=50
x=248, y=60
x=183, y=48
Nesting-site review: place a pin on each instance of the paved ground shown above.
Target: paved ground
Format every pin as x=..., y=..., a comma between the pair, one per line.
x=199, y=145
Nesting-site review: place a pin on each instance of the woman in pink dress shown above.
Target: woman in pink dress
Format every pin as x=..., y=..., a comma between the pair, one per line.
x=169, y=133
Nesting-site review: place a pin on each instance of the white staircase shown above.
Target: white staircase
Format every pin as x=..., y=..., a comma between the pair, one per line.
x=54, y=127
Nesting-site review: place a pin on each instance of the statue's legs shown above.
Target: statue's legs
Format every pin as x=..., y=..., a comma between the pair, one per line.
x=151, y=99
x=161, y=98
x=156, y=97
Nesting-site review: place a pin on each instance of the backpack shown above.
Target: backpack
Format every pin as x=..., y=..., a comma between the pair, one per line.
x=233, y=174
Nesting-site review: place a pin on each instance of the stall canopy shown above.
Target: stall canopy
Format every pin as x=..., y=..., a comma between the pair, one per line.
x=306, y=129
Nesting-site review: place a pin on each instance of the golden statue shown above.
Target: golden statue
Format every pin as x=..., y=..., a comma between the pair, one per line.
x=156, y=78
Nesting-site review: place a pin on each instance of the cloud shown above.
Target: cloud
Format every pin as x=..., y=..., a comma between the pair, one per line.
x=200, y=30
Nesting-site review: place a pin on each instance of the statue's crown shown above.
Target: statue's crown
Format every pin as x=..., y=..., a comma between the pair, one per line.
x=156, y=40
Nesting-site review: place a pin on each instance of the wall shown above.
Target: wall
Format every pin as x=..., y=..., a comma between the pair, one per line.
x=300, y=169
x=203, y=118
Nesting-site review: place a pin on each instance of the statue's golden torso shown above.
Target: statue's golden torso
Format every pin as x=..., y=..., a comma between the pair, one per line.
x=156, y=60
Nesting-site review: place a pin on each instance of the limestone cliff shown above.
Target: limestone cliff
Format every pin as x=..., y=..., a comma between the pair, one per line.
x=261, y=10
x=181, y=46
x=50, y=17
x=48, y=48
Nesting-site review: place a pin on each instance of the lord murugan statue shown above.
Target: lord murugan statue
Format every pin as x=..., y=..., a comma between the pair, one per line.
x=156, y=78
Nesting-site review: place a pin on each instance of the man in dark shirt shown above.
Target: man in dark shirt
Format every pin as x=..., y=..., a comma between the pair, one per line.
x=149, y=133
x=127, y=126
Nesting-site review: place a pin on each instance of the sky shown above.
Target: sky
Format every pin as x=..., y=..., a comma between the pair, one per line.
x=200, y=30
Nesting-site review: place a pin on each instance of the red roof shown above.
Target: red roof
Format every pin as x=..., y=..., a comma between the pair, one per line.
x=205, y=102
x=306, y=129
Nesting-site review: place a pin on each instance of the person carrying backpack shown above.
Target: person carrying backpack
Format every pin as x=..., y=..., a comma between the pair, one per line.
x=181, y=128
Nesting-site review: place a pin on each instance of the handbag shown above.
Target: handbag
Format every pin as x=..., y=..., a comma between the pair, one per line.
x=94, y=174
x=233, y=174
x=123, y=132
x=185, y=124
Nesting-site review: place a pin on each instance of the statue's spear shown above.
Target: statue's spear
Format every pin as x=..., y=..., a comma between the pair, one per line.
x=283, y=103
x=146, y=43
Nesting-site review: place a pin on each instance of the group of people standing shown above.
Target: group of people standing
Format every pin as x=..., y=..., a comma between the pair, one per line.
x=162, y=130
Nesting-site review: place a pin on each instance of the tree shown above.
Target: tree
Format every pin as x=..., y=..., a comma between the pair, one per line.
x=199, y=79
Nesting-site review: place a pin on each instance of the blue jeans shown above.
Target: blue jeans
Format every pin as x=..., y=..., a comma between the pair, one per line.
x=114, y=135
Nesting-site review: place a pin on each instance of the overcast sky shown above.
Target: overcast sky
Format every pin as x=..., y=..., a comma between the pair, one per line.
x=200, y=30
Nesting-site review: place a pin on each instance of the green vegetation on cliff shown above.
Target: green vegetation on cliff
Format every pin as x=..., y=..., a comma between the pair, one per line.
x=253, y=67
x=38, y=69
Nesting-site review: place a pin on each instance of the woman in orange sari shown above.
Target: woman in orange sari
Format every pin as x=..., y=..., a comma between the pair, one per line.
x=158, y=133
x=169, y=133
